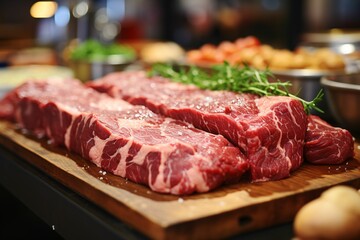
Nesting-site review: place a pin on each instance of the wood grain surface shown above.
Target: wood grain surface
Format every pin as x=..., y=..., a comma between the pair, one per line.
x=229, y=210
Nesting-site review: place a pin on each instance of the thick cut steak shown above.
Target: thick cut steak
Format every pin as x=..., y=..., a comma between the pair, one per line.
x=168, y=155
x=270, y=131
x=326, y=144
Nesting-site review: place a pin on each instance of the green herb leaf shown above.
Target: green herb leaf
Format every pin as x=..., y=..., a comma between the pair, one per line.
x=232, y=78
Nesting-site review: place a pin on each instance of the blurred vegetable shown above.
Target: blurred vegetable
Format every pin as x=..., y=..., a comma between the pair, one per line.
x=251, y=52
x=92, y=50
x=334, y=215
x=162, y=52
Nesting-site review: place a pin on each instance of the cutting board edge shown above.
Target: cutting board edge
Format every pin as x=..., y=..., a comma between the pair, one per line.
x=246, y=219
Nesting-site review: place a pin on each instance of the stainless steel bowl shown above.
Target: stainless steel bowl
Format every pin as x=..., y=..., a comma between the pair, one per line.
x=339, y=40
x=90, y=70
x=305, y=83
x=343, y=95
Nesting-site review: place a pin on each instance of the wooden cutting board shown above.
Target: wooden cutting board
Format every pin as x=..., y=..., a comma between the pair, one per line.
x=224, y=212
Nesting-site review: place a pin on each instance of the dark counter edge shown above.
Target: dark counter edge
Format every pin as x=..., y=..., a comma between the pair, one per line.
x=74, y=217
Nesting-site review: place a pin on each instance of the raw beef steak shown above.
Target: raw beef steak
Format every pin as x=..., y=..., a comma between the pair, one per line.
x=168, y=155
x=326, y=144
x=270, y=131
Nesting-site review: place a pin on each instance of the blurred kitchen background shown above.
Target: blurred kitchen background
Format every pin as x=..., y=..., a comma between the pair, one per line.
x=280, y=23
x=26, y=25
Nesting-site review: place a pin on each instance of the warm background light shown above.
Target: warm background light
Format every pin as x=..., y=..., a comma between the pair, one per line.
x=43, y=9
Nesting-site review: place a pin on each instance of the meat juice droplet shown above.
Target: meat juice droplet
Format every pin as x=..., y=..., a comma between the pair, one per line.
x=345, y=167
x=24, y=131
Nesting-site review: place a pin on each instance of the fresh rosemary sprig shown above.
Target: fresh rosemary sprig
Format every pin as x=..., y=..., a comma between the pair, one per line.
x=233, y=78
